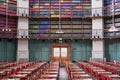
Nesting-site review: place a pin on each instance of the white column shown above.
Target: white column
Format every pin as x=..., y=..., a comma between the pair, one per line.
x=97, y=30
x=23, y=26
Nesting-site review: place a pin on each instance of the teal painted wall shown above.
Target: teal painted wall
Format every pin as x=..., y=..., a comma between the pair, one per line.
x=112, y=49
x=39, y=50
x=7, y=50
x=81, y=50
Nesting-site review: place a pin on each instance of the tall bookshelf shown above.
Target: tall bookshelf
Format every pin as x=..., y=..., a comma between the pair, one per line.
x=60, y=8
x=39, y=28
x=109, y=9
x=64, y=14
x=12, y=25
x=34, y=7
x=2, y=6
x=54, y=8
x=117, y=7
x=34, y=27
x=108, y=23
x=11, y=7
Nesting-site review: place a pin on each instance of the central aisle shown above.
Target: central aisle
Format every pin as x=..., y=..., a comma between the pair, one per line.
x=63, y=74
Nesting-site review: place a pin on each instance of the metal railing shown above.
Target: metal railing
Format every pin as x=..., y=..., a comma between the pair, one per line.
x=47, y=12
x=81, y=34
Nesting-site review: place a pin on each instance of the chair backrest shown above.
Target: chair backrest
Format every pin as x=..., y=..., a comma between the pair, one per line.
x=109, y=78
x=114, y=71
x=102, y=76
x=34, y=77
x=9, y=73
x=108, y=68
x=38, y=74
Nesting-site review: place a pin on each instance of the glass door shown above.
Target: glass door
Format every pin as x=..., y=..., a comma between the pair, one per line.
x=60, y=53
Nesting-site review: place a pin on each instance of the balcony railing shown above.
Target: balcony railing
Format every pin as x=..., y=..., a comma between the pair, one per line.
x=48, y=12
x=90, y=34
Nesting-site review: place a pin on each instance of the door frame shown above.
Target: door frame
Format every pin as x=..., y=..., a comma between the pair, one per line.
x=60, y=45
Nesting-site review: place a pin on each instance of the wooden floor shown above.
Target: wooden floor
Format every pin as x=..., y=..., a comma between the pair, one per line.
x=63, y=74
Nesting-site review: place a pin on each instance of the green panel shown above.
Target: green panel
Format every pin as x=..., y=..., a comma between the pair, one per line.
x=2, y=52
x=46, y=53
x=109, y=50
x=76, y=56
x=112, y=50
x=118, y=50
x=7, y=50
x=81, y=50
x=11, y=50
x=39, y=50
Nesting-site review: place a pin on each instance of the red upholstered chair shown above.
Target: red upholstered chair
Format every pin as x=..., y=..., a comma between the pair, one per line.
x=96, y=74
x=102, y=77
x=17, y=70
x=71, y=77
x=114, y=71
x=9, y=74
x=38, y=75
x=0, y=78
x=4, y=67
x=108, y=68
x=43, y=70
x=109, y=78
x=34, y=77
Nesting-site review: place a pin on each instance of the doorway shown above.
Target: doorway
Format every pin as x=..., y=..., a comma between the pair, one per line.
x=61, y=53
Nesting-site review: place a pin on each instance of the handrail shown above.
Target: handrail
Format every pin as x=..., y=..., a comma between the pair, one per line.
x=106, y=11
x=81, y=34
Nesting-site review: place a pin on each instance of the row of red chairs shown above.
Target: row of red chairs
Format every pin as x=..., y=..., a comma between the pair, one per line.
x=116, y=64
x=105, y=67
x=76, y=73
x=17, y=67
x=92, y=70
x=49, y=72
x=98, y=72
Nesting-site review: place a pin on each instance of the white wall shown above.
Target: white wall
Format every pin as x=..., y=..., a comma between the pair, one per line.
x=97, y=26
x=22, y=50
x=97, y=7
x=97, y=3
x=23, y=7
x=23, y=3
x=98, y=49
x=97, y=30
x=23, y=26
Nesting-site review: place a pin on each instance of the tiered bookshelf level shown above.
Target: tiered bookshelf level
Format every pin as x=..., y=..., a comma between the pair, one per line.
x=12, y=25
x=108, y=23
x=12, y=4
x=39, y=27
x=55, y=14
x=60, y=8
x=11, y=7
x=109, y=9
x=2, y=6
x=72, y=28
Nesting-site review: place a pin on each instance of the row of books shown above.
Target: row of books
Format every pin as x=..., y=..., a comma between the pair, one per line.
x=8, y=8
x=55, y=7
x=10, y=23
x=39, y=26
